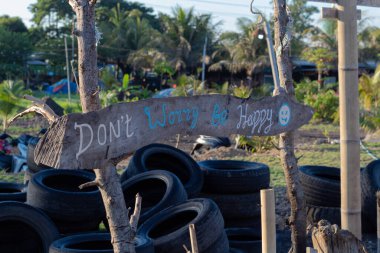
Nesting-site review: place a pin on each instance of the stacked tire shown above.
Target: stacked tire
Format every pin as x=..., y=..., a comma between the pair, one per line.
x=57, y=193
x=24, y=228
x=12, y=192
x=169, y=228
x=159, y=189
x=235, y=187
x=370, y=185
x=321, y=188
x=95, y=243
x=164, y=157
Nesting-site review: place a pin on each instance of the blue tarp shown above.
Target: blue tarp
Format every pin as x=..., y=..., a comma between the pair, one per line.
x=61, y=87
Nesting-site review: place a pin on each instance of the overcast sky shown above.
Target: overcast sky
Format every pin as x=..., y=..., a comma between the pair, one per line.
x=222, y=10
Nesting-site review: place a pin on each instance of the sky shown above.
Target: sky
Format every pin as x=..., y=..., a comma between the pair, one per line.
x=226, y=11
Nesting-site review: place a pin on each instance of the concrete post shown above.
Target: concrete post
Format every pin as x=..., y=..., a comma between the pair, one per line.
x=349, y=117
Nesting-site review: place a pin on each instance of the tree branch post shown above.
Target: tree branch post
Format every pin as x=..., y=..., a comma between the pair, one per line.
x=39, y=107
x=297, y=219
x=121, y=231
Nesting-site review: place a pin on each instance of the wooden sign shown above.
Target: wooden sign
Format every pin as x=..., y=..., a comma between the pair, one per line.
x=90, y=140
x=370, y=3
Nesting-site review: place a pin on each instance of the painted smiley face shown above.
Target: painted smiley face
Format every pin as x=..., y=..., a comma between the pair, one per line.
x=284, y=115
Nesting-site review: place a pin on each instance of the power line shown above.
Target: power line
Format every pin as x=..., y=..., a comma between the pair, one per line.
x=229, y=4
x=207, y=11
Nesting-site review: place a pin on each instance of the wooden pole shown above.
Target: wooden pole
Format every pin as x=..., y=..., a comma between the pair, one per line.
x=193, y=239
x=268, y=221
x=349, y=117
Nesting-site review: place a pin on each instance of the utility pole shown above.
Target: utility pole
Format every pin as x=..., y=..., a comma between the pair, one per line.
x=204, y=61
x=349, y=117
x=67, y=70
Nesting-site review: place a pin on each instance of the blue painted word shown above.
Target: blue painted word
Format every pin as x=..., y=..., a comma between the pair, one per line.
x=218, y=117
x=170, y=117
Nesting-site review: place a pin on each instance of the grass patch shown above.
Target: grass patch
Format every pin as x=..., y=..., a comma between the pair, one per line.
x=11, y=177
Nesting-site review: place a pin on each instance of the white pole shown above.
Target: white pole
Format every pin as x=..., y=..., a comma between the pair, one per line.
x=272, y=56
x=349, y=117
x=67, y=71
x=268, y=221
x=204, y=61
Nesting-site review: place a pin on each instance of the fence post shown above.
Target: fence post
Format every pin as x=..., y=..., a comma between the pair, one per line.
x=268, y=221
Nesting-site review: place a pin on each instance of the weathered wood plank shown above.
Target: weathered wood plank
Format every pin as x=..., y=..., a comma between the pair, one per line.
x=89, y=140
x=370, y=3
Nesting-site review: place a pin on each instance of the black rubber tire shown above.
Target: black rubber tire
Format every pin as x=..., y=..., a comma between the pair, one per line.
x=321, y=185
x=254, y=223
x=57, y=193
x=12, y=192
x=33, y=167
x=228, y=176
x=370, y=184
x=159, y=189
x=233, y=250
x=164, y=157
x=221, y=245
x=95, y=243
x=24, y=228
x=247, y=240
x=316, y=213
x=236, y=205
x=169, y=230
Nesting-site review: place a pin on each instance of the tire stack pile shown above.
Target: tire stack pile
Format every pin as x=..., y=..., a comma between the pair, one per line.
x=168, y=180
x=321, y=187
x=235, y=187
x=57, y=193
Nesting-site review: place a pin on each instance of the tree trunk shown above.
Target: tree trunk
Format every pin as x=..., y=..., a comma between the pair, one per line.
x=297, y=219
x=107, y=179
x=320, y=81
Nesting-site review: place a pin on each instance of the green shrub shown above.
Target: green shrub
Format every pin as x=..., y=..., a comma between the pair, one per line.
x=325, y=105
x=255, y=143
x=304, y=88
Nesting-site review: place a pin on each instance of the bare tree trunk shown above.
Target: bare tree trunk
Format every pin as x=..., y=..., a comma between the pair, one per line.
x=320, y=81
x=106, y=178
x=297, y=219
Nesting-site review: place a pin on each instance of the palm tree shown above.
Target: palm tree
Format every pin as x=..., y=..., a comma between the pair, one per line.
x=224, y=55
x=241, y=50
x=184, y=36
x=323, y=50
x=369, y=90
x=369, y=44
x=10, y=92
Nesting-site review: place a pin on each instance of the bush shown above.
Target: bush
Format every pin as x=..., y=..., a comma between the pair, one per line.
x=325, y=105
